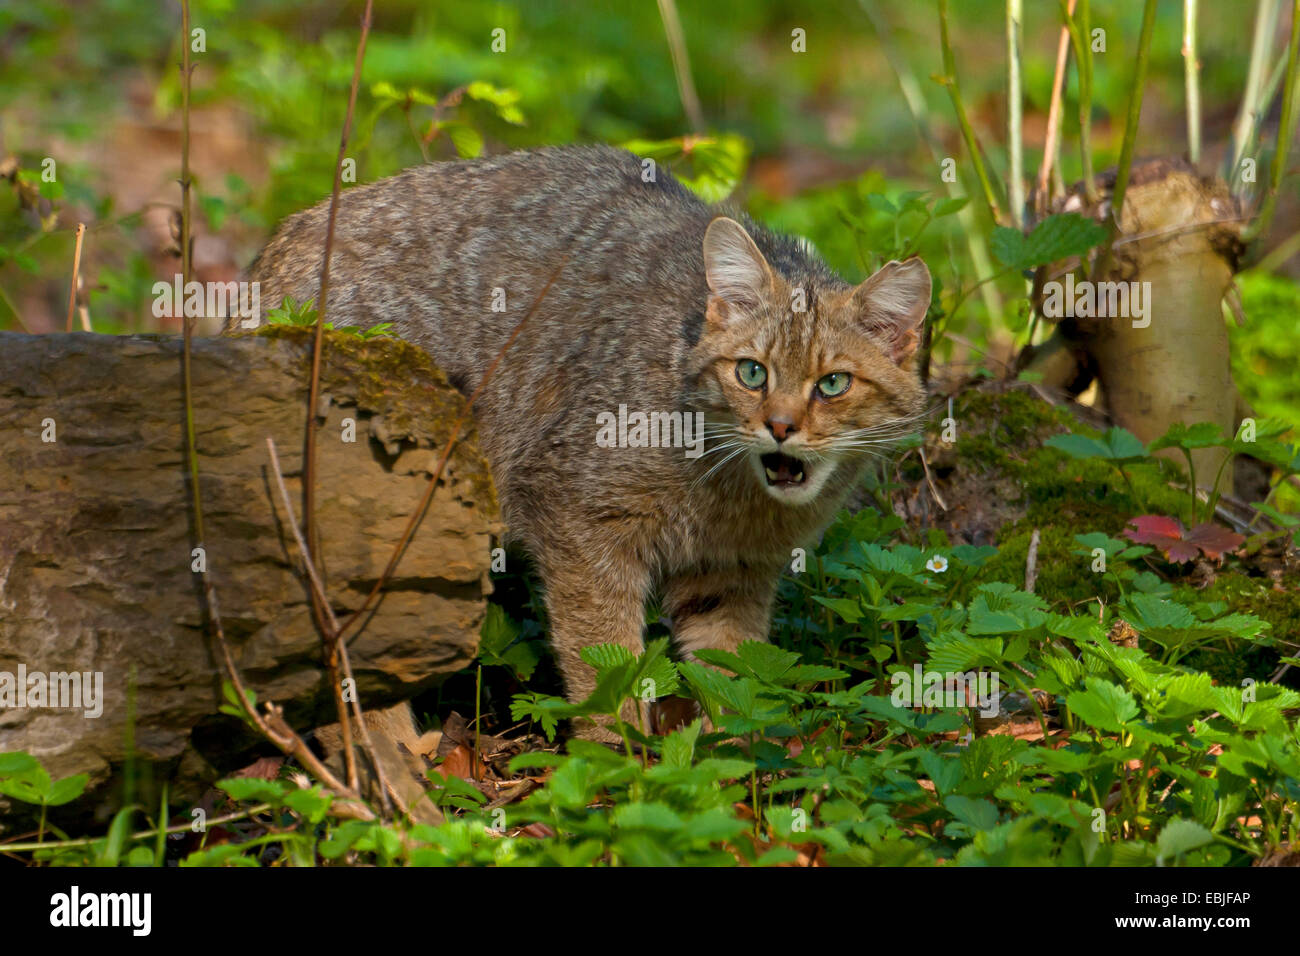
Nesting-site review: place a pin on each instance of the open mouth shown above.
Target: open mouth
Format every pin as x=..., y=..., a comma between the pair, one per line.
x=782, y=471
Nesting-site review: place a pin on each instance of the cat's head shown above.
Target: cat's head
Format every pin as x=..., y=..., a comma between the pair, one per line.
x=809, y=373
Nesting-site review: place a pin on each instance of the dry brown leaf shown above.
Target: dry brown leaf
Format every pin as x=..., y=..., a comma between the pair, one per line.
x=263, y=768
x=460, y=762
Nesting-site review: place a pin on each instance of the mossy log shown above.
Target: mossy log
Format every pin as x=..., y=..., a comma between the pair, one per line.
x=97, y=545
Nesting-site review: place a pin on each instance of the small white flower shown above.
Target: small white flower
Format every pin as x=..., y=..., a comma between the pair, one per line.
x=938, y=564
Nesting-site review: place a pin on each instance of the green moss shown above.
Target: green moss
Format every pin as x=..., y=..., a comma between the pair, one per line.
x=1247, y=595
x=397, y=381
x=1000, y=450
x=994, y=428
x=1064, y=579
x=1000, y=441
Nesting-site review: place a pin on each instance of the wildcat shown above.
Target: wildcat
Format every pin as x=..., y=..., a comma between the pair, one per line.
x=662, y=305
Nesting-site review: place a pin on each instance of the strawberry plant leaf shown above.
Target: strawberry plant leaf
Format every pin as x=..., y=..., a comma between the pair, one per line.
x=1214, y=540
x=1056, y=237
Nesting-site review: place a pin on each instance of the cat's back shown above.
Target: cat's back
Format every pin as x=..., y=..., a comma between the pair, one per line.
x=440, y=243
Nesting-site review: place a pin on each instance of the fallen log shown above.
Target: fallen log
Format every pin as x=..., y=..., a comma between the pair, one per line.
x=97, y=557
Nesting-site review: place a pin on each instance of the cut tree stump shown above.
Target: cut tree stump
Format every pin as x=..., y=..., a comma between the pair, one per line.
x=97, y=549
x=1179, y=245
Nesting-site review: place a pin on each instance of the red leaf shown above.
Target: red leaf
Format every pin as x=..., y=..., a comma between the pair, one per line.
x=1214, y=539
x=1155, y=530
x=1180, y=552
x=1178, y=544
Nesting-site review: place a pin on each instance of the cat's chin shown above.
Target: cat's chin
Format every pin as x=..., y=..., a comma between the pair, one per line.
x=790, y=480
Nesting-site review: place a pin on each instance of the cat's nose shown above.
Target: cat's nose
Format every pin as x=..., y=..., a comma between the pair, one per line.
x=780, y=427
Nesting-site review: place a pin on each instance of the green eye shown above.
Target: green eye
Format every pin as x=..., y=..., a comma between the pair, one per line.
x=836, y=383
x=751, y=374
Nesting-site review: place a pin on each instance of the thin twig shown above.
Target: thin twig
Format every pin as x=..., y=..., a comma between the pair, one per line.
x=1031, y=563
x=1015, y=128
x=911, y=90
x=142, y=835
x=1081, y=41
x=9, y=304
x=309, y=445
x=187, y=337
x=1129, y=144
x=929, y=480
x=1192, y=82
x=456, y=427
x=1249, y=113
x=319, y=587
x=949, y=80
x=76, y=269
x=1125, y=167
x=1265, y=106
x=272, y=725
x=1280, y=254
x=1051, y=152
x=1285, y=132
x=681, y=64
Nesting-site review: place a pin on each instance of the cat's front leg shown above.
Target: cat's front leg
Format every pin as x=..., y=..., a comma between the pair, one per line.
x=720, y=607
x=593, y=603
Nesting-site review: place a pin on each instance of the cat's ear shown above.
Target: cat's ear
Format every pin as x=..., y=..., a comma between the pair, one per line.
x=738, y=275
x=891, y=305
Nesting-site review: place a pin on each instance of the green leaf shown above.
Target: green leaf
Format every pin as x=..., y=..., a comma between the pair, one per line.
x=1077, y=446
x=945, y=772
x=1103, y=705
x=976, y=814
x=466, y=139
x=1199, y=435
x=1123, y=445
x=523, y=659
x=31, y=786
x=678, y=748
x=655, y=675
x=816, y=673
x=505, y=100
x=605, y=657
x=1056, y=237
x=17, y=762
x=881, y=204
x=1117, y=444
x=949, y=205
x=499, y=644
x=766, y=661
x=849, y=610
x=110, y=850
x=311, y=804
x=709, y=166
x=249, y=788
x=1180, y=837
x=647, y=816
x=713, y=826
x=66, y=790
